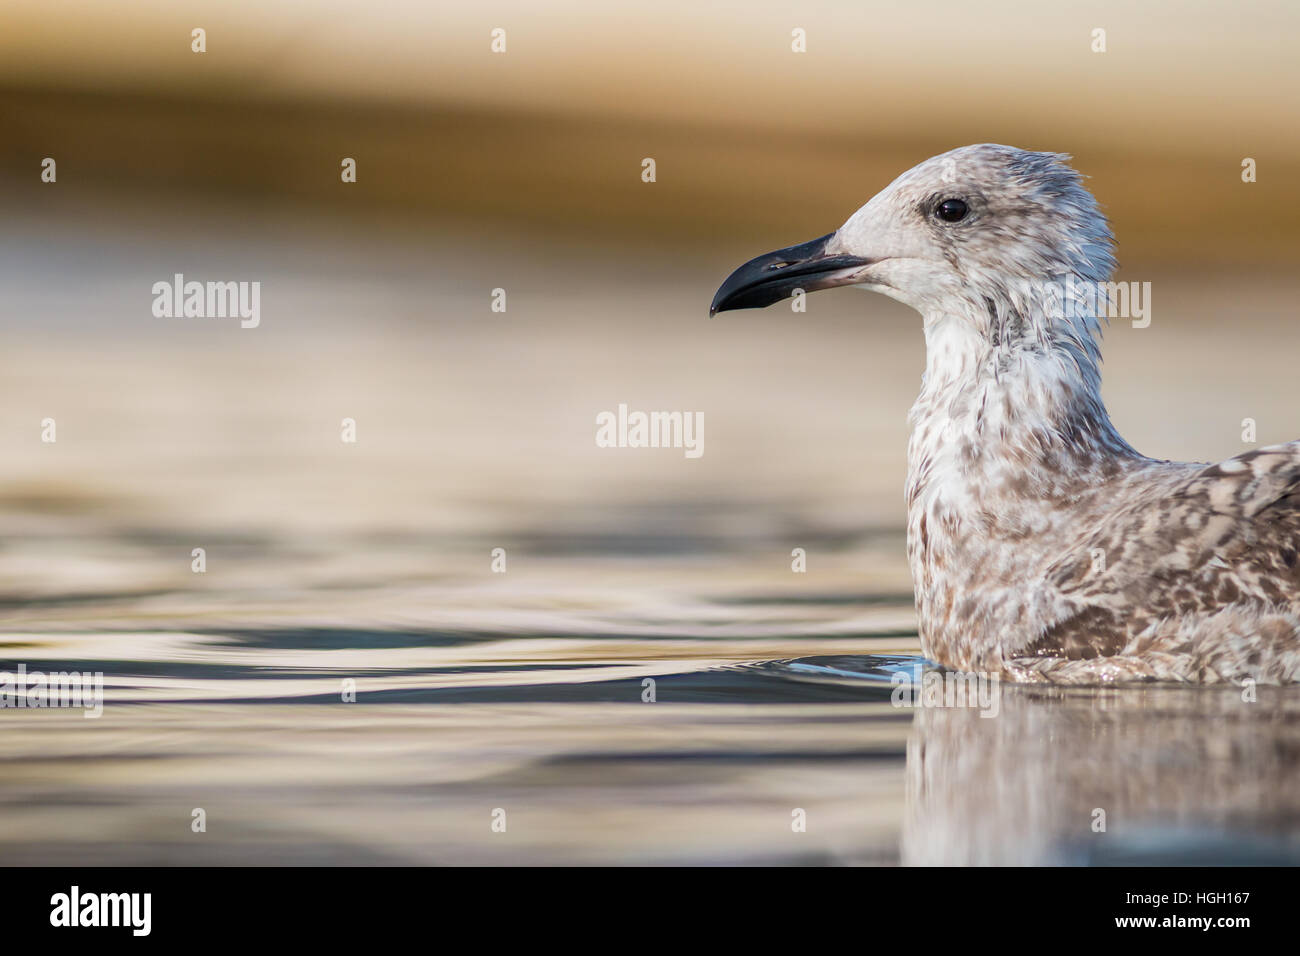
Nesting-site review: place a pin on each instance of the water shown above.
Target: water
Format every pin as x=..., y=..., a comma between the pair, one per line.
x=525, y=691
x=470, y=697
x=462, y=711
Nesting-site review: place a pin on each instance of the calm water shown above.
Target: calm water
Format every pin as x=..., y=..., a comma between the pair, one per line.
x=463, y=709
x=525, y=691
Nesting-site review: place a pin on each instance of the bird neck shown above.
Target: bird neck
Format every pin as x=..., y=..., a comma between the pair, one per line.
x=1007, y=414
x=1007, y=387
x=1007, y=432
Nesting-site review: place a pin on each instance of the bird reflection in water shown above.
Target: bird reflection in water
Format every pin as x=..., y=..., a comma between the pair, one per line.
x=1111, y=776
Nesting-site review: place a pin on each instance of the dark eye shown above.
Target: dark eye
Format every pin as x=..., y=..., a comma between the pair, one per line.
x=952, y=210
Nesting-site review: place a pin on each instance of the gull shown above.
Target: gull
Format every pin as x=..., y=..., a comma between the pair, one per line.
x=1042, y=546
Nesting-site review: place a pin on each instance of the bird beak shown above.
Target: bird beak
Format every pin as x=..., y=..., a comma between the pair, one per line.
x=777, y=275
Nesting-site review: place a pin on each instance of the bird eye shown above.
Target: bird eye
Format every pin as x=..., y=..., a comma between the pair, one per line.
x=952, y=210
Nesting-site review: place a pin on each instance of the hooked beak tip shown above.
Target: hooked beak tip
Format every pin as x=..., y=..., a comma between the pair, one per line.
x=778, y=275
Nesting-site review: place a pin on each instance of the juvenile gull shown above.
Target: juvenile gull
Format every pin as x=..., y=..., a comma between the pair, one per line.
x=1043, y=547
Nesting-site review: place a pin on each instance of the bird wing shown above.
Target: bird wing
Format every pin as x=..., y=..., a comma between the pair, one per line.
x=1226, y=534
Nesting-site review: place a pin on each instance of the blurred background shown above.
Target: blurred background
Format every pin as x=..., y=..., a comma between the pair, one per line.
x=521, y=170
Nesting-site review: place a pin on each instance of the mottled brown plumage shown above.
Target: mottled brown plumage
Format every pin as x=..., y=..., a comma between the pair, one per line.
x=1203, y=581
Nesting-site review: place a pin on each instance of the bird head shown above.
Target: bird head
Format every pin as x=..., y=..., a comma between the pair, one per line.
x=976, y=225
